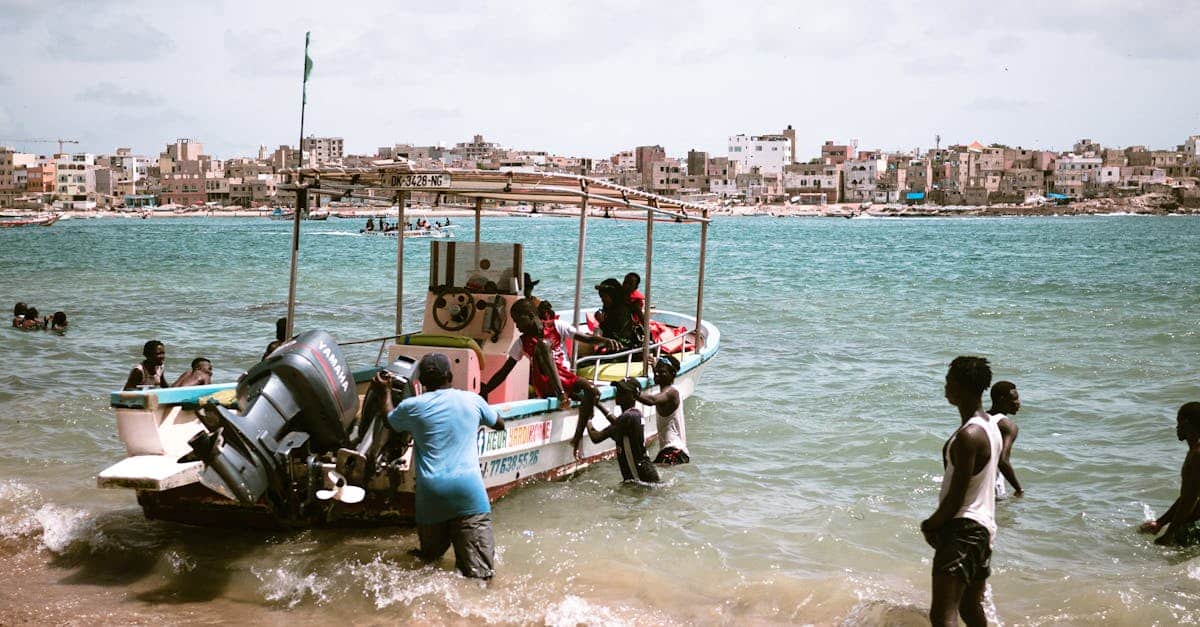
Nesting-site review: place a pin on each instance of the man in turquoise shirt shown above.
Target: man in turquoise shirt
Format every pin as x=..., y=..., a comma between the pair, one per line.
x=452, y=503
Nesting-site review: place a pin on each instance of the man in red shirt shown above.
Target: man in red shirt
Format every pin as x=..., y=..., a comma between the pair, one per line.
x=550, y=374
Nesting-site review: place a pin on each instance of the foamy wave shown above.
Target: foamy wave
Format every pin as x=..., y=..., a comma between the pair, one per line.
x=65, y=527
x=286, y=585
x=573, y=610
x=387, y=584
x=1194, y=571
x=18, y=503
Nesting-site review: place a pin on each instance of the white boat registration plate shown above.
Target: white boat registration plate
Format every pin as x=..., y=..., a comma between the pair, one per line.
x=419, y=181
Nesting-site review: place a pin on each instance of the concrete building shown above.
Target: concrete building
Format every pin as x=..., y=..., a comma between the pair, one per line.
x=824, y=179
x=836, y=154
x=790, y=133
x=643, y=156
x=862, y=176
x=1077, y=176
x=768, y=153
x=1087, y=147
x=183, y=188
x=623, y=161
x=323, y=149
x=10, y=162
x=663, y=177
x=722, y=176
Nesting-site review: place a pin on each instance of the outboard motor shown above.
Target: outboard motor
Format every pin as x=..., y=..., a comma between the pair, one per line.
x=294, y=403
x=374, y=439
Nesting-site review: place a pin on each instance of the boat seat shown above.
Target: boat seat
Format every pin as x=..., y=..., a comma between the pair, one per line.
x=443, y=341
x=616, y=371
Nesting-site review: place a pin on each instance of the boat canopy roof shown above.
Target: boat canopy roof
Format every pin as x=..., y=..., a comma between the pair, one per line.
x=524, y=187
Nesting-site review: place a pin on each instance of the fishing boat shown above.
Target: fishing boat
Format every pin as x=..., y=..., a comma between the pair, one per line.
x=298, y=442
x=33, y=221
x=433, y=232
x=280, y=214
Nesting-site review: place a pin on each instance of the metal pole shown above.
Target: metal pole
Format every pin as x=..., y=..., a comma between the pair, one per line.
x=576, y=319
x=646, y=304
x=401, y=200
x=478, y=229
x=301, y=201
x=700, y=282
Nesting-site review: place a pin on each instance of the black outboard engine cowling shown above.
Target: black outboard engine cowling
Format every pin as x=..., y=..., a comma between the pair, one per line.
x=303, y=389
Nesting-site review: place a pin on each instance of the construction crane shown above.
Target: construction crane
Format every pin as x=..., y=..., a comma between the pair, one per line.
x=60, y=142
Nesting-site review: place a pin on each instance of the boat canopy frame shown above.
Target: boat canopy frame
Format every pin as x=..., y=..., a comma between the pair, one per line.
x=398, y=179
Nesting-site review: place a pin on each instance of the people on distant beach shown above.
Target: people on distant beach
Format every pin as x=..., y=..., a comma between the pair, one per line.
x=452, y=505
x=200, y=374
x=1182, y=520
x=280, y=335
x=149, y=373
x=1005, y=404
x=963, y=527
x=550, y=372
x=668, y=409
x=627, y=433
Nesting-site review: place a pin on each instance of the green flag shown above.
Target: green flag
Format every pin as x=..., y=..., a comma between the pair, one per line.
x=308, y=65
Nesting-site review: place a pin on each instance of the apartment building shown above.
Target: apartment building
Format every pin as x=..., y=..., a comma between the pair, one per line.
x=768, y=153
x=323, y=149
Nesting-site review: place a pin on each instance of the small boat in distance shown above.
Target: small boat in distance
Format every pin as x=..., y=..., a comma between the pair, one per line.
x=33, y=221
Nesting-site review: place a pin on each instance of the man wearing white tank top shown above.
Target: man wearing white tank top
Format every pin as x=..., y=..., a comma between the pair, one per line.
x=963, y=527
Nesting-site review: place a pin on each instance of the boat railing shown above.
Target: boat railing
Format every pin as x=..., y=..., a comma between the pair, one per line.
x=655, y=351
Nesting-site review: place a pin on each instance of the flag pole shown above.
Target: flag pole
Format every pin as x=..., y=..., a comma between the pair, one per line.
x=301, y=195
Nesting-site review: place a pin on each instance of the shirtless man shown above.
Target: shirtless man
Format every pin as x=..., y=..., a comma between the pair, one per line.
x=963, y=527
x=1182, y=520
x=200, y=374
x=1005, y=404
x=150, y=371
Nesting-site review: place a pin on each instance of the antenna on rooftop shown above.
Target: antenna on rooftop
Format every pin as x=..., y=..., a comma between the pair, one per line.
x=937, y=142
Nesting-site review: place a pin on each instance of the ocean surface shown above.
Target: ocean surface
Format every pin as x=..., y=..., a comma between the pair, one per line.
x=815, y=434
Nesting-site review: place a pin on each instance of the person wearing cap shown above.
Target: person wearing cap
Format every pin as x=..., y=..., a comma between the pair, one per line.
x=668, y=409
x=550, y=374
x=628, y=433
x=616, y=316
x=452, y=505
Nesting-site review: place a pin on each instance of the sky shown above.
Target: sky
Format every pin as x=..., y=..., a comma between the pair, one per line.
x=592, y=78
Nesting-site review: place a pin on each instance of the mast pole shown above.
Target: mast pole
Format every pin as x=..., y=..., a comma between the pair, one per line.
x=646, y=304
x=401, y=226
x=577, y=317
x=479, y=229
x=700, y=282
x=301, y=201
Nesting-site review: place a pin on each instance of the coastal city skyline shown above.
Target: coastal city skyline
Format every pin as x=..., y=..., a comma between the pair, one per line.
x=588, y=81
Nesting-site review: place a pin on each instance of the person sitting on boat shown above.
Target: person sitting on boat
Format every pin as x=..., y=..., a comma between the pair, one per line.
x=149, y=373
x=637, y=300
x=668, y=408
x=550, y=372
x=451, y=501
x=545, y=312
x=58, y=322
x=200, y=374
x=19, y=311
x=370, y=224
x=615, y=317
x=628, y=433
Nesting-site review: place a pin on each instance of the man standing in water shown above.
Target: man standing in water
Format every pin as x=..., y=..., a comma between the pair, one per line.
x=963, y=527
x=149, y=373
x=1182, y=520
x=1005, y=404
x=452, y=503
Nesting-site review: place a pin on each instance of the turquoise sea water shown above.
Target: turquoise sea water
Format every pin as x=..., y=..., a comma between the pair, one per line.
x=815, y=433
